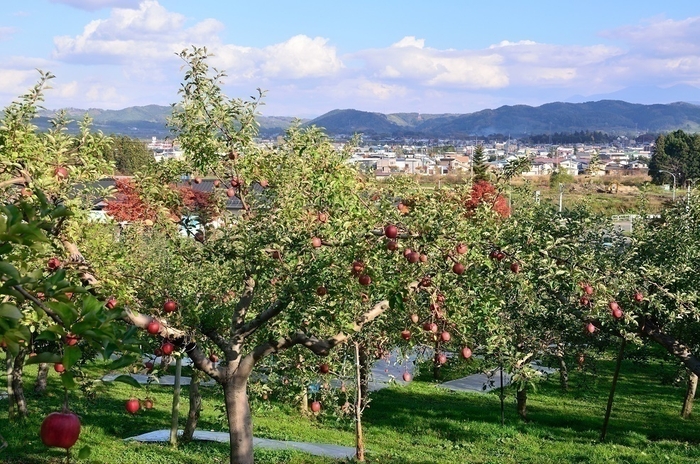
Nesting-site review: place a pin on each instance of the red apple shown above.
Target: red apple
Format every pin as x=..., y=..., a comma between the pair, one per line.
x=423, y=258
x=197, y=180
x=406, y=252
x=588, y=289
x=316, y=242
x=458, y=268
x=407, y=377
x=391, y=231
x=365, y=280
x=230, y=193
x=357, y=268
x=493, y=254
x=584, y=301
x=590, y=327
x=413, y=257
x=441, y=358
x=321, y=291
x=445, y=336
x=217, y=182
x=433, y=327
x=613, y=305
x=638, y=297
x=322, y=217
x=461, y=248
x=72, y=339
x=324, y=368
x=148, y=365
x=53, y=264
x=414, y=318
x=158, y=352
x=500, y=255
x=59, y=367
x=170, y=306
x=148, y=403
x=426, y=326
x=515, y=267
x=466, y=352
x=153, y=327
x=426, y=281
x=406, y=334
x=132, y=405
x=111, y=303
x=213, y=357
x=264, y=183
x=60, y=429
x=617, y=313
x=167, y=348
x=60, y=172
x=392, y=245
x=315, y=406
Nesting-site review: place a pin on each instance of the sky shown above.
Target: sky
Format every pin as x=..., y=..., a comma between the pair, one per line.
x=443, y=56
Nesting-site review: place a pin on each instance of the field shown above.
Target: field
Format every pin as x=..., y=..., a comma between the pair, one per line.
x=416, y=424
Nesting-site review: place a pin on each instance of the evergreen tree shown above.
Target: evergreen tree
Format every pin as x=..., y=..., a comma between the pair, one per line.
x=129, y=155
x=594, y=164
x=479, y=166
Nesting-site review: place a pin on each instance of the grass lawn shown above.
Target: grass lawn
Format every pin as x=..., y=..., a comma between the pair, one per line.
x=419, y=423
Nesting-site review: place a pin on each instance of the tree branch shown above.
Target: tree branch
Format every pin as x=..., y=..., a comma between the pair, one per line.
x=249, y=328
x=673, y=346
x=13, y=181
x=243, y=304
x=49, y=312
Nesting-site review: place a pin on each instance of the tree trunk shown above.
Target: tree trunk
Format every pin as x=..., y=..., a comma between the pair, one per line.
x=41, y=377
x=364, y=374
x=175, y=416
x=522, y=402
x=9, y=364
x=18, y=385
x=359, y=401
x=240, y=425
x=689, y=395
x=563, y=373
x=436, y=364
x=195, y=408
x=304, y=404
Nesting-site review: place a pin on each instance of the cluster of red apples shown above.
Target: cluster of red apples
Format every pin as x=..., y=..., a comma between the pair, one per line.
x=615, y=309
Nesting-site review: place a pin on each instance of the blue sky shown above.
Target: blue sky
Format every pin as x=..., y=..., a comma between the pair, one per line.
x=444, y=56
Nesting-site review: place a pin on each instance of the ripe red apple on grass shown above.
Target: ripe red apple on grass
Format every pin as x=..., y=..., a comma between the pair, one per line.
x=321, y=291
x=423, y=258
x=413, y=257
x=391, y=231
x=322, y=217
x=60, y=172
x=515, y=267
x=458, y=268
x=324, y=368
x=60, y=429
x=588, y=290
x=316, y=242
x=406, y=252
x=392, y=245
x=132, y=405
x=357, y=268
x=365, y=280
x=461, y=248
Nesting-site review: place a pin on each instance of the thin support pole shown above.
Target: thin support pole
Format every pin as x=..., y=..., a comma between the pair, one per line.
x=616, y=375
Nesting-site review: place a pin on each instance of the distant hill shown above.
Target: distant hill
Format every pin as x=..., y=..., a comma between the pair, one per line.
x=609, y=116
x=144, y=121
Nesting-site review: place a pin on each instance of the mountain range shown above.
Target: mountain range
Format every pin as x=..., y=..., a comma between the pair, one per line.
x=610, y=116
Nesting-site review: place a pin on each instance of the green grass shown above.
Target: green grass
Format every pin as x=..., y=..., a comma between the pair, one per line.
x=416, y=424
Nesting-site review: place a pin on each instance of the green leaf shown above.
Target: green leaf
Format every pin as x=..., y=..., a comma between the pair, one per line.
x=127, y=379
x=84, y=452
x=45, y=357
x=122, y=362
x=9, y=311
x=9, y=270
x=91, y=304
x=71, y=355
x=68, y=381
x=47, y=335
x=66, y=312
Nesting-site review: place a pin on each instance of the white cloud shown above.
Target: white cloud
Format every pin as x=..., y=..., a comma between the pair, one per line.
x=92, y=5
